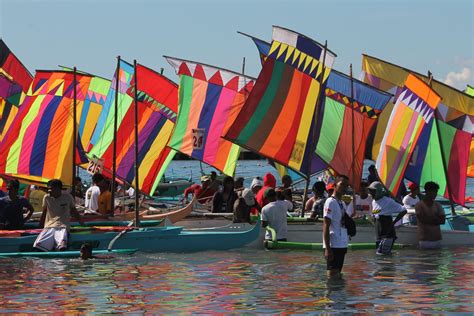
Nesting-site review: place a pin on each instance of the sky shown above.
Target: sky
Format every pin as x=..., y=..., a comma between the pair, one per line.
x=420, y=35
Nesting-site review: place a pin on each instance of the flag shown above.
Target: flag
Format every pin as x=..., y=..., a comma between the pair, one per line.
x=414, y=109
x=334, y=145
x=455, y=108
x=276, y=120
x=14, y=83
x=154, y=128
x=38, y=147
x=209, y=100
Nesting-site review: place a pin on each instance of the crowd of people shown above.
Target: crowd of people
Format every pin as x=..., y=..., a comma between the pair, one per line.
x=263, y=198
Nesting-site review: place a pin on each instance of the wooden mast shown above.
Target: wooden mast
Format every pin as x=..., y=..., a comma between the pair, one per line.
x=114, y=144
x=313, y=136
x=353, y=143
x=441, y=148
x=74, y=135
x=137, y=182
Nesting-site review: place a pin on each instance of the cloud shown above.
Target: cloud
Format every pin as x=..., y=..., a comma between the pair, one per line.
x=459, y=79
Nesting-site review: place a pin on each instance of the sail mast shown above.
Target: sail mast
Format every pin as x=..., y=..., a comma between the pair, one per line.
x=353, y=143
x=74, y=135
x=441, y=148
x=114, y=154
x=312, y=140
x=137, y=185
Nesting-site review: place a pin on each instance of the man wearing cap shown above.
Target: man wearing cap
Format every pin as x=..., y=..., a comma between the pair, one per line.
x=430, y=216
x=409, y=201
x=335, y=238
x=383, y=208
x=202, y=193
x=274, y=215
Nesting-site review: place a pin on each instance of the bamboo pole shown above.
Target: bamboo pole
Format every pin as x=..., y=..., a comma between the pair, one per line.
x=443, y=157
x=74, y=135
x=313, y=136
x=353, y=143
x=137, y=182
x=114, y=144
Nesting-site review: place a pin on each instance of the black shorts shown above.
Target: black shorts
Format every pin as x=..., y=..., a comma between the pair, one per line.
x=337, y=261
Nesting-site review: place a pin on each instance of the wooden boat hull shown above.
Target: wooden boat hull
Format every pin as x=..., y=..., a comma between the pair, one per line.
x=311, y=232
x=152, y=239
x=173, y=216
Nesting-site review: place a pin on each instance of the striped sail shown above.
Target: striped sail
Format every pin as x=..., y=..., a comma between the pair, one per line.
x=413, y=111
x=209, y=100
x=276, y=120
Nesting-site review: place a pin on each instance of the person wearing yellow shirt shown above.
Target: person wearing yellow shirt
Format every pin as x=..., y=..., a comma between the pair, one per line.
x=36, y=198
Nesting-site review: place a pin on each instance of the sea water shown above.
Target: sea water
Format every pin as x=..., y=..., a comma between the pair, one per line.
x=243, y=280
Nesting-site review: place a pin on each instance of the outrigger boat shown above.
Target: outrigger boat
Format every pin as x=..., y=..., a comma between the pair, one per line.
x=148, y=239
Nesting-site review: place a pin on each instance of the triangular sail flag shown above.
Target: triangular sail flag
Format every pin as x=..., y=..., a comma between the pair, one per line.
x=456, y=109
x=107, y=114
x=154, y=131
x=14, y=83
x=335, y=140
x=414, y=110
x=209, y=100
x=39, y=145
x=276, y=119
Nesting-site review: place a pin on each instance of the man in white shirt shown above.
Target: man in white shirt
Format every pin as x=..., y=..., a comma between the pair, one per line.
x=409, y=202
x=274, y=215
x=383, y=209
x=335, y=238
x=92, y=194
x=363, y=202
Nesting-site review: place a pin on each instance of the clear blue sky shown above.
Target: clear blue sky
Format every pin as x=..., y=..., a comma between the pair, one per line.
x=421, y=35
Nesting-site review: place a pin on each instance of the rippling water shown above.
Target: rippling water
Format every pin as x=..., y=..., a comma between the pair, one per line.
x=242, y=281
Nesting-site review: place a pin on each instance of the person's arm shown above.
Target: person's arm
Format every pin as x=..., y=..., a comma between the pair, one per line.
x=441, y=215
x=326, y=240
x=30, y=211
x=108, y=205
x=76, y=215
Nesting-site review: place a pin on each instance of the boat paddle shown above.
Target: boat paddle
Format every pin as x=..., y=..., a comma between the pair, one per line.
x=123, y=232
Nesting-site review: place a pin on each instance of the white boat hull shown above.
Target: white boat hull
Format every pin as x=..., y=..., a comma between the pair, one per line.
x=311, y=232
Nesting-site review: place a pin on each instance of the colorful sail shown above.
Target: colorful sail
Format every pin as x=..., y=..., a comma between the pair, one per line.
x=415, y=108
x=39, y=145
x=107, y=113
x=209, y=100
x=154, y=131
x=427, y=162
x=335, y=140
x=456, y=109
x=276, y=120
x=14, y=83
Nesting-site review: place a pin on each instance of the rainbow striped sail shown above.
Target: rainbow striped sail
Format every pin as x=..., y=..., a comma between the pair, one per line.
x=334, y=144
x=276, y=120
x=209, y=100
x=415, y=108
x=456, y=109
x=154, y=130
x=14, y=83
x=39, y=145
x=107, y=113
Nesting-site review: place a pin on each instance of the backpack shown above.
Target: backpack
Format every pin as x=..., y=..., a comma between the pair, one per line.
x=350, y=225
x=347, y=221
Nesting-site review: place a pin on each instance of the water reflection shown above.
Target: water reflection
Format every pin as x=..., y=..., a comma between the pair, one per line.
x=241, y=281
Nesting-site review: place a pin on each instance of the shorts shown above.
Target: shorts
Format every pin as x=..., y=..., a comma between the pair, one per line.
x=337, y=261
x=52, y=238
